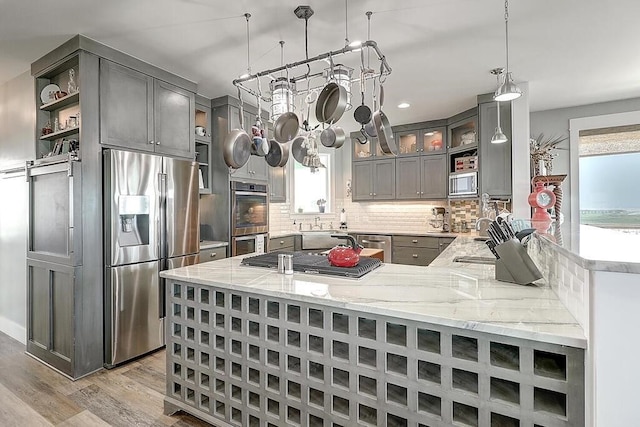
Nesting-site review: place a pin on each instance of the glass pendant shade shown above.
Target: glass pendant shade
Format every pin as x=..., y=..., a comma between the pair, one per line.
x=341, y=75
x=508, y=90
x=281, y=97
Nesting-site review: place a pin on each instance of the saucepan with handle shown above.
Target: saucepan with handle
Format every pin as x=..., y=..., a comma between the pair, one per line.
x=383, y=128
x=332, y=101
x=237, y=144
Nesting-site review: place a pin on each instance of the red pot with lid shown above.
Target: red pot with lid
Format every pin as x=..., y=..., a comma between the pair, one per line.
x=345, y=255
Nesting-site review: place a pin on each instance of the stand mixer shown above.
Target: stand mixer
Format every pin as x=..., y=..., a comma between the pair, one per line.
x=440, y=218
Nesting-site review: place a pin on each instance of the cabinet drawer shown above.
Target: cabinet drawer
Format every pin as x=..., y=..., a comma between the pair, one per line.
x=282, y=244
x=416, y=241
x=212, y=254
x=414, y=256
x=444, y=242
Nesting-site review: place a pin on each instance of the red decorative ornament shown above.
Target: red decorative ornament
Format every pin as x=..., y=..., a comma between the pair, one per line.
x=540, y=200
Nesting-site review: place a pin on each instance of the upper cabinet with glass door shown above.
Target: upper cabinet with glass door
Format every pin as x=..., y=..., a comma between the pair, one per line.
x=463, y=131
x=421, y=141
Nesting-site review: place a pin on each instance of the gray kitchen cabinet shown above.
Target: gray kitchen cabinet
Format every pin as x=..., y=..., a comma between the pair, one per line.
x=257, y=168
x=462, y=131
x=374, y=180
x=408, y=177
x=433, y=177
x=421, y=177
x=279, y=244
x=426, y=140
x=415, y=250
x=145, y=113
x=494, y=159
x=278, y=184
x=211, y=254
x=52, y=317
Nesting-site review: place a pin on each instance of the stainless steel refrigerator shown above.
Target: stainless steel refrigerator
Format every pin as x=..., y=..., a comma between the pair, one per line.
x=151, y=224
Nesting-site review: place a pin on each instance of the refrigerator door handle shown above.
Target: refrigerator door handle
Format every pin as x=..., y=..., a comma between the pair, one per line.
x=162, y=217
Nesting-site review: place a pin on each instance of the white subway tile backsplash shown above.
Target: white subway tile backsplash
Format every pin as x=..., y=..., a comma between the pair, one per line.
x=392, y=216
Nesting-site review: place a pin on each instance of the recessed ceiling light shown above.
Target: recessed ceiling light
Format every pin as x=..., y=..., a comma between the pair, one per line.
x=404, y=105
x=429, y=134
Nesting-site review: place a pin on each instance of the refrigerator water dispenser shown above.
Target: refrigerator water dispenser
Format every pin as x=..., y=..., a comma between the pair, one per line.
x=134, y=220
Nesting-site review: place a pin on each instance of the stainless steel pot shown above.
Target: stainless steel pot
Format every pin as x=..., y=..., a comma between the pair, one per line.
x=383, y=129
x=286, y=127
x=278, y=154
x=333, y=137
x=298, y=151
x=332, y=103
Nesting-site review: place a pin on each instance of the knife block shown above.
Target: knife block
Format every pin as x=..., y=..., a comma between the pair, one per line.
x=515, y=265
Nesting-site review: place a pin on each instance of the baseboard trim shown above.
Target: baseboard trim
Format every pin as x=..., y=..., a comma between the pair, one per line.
x=14, y=330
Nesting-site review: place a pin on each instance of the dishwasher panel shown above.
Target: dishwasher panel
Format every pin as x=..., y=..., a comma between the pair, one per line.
x=377, y=242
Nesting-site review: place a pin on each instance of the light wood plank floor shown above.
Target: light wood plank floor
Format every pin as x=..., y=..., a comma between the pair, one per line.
x=32, y=394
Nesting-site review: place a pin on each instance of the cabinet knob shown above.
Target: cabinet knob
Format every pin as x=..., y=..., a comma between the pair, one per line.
x=213, y=254
x=415, y=255
x=417, y=192
x=157, y=142
x=422, y=192
x=371, y=194
x=151, y=142
x=374, y=194
x=282, y=242
x=414, y=241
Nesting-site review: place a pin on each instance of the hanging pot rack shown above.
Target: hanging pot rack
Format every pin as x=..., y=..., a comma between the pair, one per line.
x=384, y=69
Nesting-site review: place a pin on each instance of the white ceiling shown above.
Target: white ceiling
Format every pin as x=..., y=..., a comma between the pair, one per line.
x=572, y=52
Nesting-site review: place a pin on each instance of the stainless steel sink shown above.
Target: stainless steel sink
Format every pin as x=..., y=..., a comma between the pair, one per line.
x=319, y=239
x=475, y=260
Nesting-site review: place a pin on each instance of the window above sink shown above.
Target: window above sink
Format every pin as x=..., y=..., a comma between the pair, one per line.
x=313, y=192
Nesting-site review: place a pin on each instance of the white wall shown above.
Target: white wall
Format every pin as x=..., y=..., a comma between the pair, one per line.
x=17, y=124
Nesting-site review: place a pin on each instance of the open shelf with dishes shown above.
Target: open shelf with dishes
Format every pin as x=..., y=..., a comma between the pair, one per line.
x=58, y=114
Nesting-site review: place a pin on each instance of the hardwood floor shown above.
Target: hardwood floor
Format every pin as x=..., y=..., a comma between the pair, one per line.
x=33, y=395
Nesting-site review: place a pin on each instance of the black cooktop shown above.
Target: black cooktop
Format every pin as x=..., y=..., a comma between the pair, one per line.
x=305, y=262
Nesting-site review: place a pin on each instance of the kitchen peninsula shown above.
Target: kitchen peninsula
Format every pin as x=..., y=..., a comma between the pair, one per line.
x=404, y=345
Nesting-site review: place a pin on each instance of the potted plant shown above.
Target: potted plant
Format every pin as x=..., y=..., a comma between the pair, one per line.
x=321, y=203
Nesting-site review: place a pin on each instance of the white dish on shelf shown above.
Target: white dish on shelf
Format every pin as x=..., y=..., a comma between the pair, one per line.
x=47, y=93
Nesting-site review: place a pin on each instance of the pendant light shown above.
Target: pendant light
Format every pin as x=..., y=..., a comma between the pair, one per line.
x=498, y=137
x=508, y=90
x=281, y=91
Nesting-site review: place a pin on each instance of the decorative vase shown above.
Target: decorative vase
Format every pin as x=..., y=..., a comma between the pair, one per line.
x=321, y=208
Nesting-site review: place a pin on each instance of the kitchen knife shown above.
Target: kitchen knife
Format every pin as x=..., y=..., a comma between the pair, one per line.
x=493, y=235
x=496, y=228
x=509, y=228
x=504, y=228
x=492, y=248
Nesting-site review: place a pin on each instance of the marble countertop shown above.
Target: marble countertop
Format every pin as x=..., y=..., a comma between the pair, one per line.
x=210, y=244
x=445, y=293
x=600, y=249
x=279, y=234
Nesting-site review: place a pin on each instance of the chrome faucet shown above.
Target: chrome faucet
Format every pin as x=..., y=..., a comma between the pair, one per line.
x=482, y=224
x=316, y=219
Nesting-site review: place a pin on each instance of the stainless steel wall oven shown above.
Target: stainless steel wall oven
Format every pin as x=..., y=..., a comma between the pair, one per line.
x=249, y=218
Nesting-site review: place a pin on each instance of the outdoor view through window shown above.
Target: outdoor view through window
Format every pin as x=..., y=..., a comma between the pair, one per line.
x=311, y=187
x=610, y=177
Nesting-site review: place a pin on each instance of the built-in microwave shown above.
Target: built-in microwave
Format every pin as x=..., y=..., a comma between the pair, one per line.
x=463, y=184
x=244, y=245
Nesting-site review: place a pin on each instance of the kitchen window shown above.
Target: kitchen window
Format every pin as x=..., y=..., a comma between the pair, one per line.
x=609, y=176
x=312, y=191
